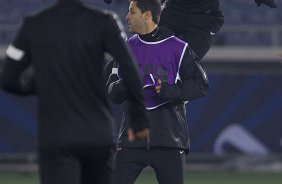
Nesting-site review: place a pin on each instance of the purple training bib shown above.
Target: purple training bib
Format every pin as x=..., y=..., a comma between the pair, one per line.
x=157, y=60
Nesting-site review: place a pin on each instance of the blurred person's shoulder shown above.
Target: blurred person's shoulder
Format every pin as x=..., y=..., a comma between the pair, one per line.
x=52, y=10
x=133, y=39
x=97, y=13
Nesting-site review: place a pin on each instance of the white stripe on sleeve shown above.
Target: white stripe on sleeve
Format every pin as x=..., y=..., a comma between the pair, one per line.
x=114, y=70
x=15, y=53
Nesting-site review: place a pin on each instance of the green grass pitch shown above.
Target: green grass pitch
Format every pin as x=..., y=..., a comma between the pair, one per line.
x=191, y=177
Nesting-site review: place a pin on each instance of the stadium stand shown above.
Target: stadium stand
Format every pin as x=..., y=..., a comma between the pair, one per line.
x=245, y=24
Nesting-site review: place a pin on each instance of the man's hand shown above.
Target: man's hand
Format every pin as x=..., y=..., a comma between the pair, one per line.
x=270, y=3
x=108, y=1
x=159, y=86
x=140, y=135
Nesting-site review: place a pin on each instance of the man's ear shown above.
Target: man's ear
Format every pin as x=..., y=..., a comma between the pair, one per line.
x=148, y=15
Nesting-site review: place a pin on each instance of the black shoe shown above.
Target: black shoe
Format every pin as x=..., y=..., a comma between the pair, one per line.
x=270, y=3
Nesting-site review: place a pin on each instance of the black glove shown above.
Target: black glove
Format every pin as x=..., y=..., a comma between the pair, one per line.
x=108, y=1
x=270, y=3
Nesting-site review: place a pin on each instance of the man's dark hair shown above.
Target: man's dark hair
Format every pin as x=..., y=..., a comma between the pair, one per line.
x=154, y=6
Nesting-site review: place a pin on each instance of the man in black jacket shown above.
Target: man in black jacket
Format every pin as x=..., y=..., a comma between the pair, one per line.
x=65, y=44
x=171, y=76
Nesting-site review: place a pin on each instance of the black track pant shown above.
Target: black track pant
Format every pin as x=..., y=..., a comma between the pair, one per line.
x=168, y=165
x=76, y=165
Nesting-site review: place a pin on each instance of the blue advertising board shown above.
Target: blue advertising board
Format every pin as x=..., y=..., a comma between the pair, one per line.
x=241, y=114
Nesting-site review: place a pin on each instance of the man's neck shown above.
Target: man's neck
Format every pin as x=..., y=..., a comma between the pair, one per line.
x=152, y=36
x=150, y=28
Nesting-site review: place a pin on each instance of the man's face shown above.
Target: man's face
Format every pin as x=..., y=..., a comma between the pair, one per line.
x=135, y=19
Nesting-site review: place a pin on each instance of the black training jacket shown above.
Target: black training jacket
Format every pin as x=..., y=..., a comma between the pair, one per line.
x=194, y=6
x=169, y=126
x=65, y=44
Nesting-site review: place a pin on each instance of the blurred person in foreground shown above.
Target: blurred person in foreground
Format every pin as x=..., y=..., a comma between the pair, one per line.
x=171, y=75
x=65, y=44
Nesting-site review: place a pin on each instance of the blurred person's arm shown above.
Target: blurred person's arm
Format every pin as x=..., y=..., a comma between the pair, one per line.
x=114, y=85
x=193, y=81
x=116, y=91
x=116, y=46
x=17, y=76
